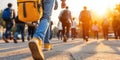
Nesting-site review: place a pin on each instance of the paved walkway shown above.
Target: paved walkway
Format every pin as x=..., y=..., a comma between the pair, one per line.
x=72, y=50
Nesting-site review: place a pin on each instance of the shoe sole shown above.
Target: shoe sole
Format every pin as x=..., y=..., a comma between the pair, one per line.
x=46, y=49
x=36, y=52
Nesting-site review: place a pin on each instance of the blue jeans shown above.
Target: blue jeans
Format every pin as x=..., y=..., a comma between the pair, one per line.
x=43, y=29
x=20, y=29
x=8, y=29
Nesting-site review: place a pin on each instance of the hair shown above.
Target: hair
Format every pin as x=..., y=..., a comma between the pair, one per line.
x=85, y=7
x=73, y=18
x=67, y=7
x=9, y=4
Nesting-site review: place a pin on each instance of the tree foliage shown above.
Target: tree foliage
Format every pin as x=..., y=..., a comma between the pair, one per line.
x=2, y=23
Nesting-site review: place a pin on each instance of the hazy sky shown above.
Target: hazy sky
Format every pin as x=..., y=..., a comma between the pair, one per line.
x=74, y=5
x=3, y=3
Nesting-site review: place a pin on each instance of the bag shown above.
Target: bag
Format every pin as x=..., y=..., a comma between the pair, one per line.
x=29, y=10
x=7, y=14
x=18, y=21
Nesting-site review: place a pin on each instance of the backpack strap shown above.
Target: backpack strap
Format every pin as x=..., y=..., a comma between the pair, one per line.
x=24, y=10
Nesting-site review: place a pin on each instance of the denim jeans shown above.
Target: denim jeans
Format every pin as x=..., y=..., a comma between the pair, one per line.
x=43, y=29
x=20, y=29
x=8, y=29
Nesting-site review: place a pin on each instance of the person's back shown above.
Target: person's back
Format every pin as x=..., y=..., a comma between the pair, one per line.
x=65, y=16
x=85, y=16
x=73, y=24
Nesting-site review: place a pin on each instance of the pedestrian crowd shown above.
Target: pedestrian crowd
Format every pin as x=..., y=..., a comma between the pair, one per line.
x=40, y=32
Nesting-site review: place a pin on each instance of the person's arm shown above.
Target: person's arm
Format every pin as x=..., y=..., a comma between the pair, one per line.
x=13, y=14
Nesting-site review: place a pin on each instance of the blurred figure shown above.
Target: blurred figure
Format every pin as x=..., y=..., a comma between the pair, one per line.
x=65, y=17
x=31, y=30
x=51, y=32
x=95, y=29
x=8, y=21
x=20, y=26
x=116, y=27
x=59, y=33
x=42, y=33
x=63, y=4
x=73, y=29
x=85, y=18
x=105, y=27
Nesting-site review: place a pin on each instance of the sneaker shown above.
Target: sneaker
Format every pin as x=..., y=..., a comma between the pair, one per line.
x=6, y=41
x=35, y=46
x=28, y=38
x=15, y=41
x=86, y=38
x=65, y=39
x=47, y=47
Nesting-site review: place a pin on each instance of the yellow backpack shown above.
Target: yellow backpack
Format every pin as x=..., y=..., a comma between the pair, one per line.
x=29, y=10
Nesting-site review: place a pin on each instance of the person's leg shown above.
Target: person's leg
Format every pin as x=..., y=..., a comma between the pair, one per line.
x=58, y=34
x=61, y=35
x=72, y=34
x=5, y=35
x=36, y=44
x=83, y=31
x=32, y=32
x=22, y=32
x=64, y=32
x=16, y=33
x=8, y=31
x=107, y=33
x=68, y=29
x=47, y=45
x=97, y=35
x=28, y=37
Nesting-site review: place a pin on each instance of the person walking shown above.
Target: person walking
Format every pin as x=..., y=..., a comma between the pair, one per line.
x=42, y=32
x=105, y=27
x=85, y=18
x=31, y=30
x=95, y=29
x=20, y=26
x=8, y=16
x=59, y=33
x=73, y=29
x=65, y=17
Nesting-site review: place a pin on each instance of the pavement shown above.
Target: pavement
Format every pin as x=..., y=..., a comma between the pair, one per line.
x=71, y=50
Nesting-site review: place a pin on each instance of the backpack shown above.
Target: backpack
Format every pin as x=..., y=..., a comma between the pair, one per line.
x=29, y=10
x=17, y=21
x=7, y=14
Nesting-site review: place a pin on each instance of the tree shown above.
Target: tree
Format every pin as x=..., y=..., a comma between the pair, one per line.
x=2, y=23
x=117, y=7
